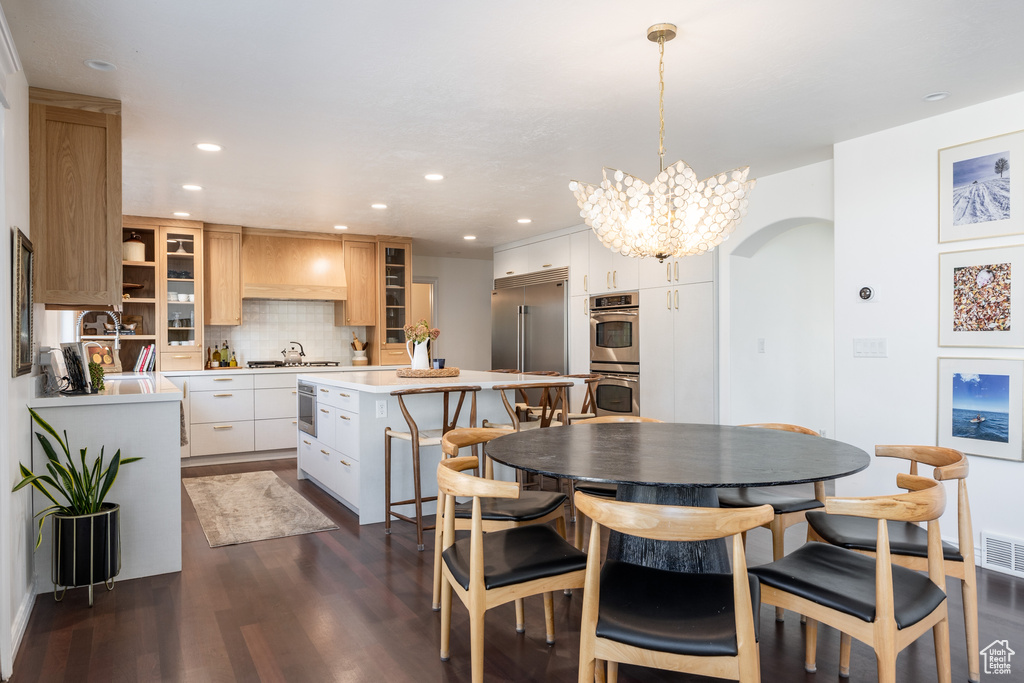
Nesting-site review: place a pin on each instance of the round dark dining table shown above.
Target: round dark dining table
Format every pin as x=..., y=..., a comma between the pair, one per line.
x=676, y=464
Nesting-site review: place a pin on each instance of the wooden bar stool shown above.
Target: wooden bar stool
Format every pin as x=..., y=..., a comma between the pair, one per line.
x=419, y=438
x=589, y=408
x=552, y=400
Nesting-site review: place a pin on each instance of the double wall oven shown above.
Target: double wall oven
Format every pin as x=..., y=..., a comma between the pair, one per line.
x=615, y=352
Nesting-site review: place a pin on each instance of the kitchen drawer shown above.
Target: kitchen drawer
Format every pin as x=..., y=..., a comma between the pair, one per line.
x=221, y=382
x=394, y=357
x=345, y=399
x=173, y=361
x=346, y=433
x=347, y=479
x=316, y=460
x=325, y=427
x=221, y=437
x=275, y=434
x=220, y=406
x=275, y=380
x=274, y=403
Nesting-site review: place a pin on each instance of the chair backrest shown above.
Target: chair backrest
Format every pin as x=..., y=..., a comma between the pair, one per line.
x=950, y=465
x=589, y=398
x=819, y=486
x=449, y=419
x=552, y=399
x=507, y=371
x=609, y=419
x=543, y=373
x=471, y=436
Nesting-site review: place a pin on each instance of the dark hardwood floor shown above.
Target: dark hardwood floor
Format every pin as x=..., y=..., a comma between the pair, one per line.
x=354, y=605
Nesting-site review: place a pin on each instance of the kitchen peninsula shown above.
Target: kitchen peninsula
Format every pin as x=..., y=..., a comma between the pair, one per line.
x=346, y=456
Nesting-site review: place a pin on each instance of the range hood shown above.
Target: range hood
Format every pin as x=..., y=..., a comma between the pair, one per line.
x=278, y=264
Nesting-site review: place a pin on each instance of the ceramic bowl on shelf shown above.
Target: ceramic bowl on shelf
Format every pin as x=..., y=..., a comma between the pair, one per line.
x=183, y=297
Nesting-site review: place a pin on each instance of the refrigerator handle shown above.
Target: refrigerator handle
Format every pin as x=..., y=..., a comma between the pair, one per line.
x=521, y=338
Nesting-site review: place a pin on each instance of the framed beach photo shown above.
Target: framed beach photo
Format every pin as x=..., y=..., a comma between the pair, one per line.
x=981, y=406
x=980, y=291
x=979, y=196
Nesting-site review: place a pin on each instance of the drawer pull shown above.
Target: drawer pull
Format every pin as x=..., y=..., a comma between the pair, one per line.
x=344, y=418
x=545, y=265
x=509, y=272
x=182, y=357
x=307, y=442
x=346, y=464
x=324, y=390
x=324, y=452
x=222, y=395
x=295, y=392
x=295, y=422
x=584, y=283
x=677, y=271
x=324, y=410
x=343, y=395
x=224, y=427
x=215, y=379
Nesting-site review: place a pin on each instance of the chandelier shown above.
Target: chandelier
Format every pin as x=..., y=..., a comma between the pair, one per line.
x=676, y=214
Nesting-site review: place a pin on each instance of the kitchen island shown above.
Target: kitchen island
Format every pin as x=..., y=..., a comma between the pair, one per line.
x=140, y=414
x=346, y=456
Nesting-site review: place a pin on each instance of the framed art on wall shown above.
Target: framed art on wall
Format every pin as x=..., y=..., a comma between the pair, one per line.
x=978, y=293
x=981, y=406
x=979, y=196
x=21, y=306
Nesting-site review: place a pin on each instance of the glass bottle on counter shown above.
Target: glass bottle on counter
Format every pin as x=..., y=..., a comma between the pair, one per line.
x=225, y=355
x=215, y=358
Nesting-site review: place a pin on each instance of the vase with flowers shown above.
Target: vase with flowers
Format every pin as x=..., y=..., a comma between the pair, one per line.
x=417, y=340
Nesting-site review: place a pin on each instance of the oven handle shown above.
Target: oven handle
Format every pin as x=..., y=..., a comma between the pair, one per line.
x=597, y=313
x=625, y=378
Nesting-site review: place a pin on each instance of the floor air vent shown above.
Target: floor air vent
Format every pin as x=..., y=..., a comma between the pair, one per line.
x=1002, y=553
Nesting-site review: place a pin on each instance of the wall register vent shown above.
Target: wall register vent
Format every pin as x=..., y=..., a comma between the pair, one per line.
x=1002, y=553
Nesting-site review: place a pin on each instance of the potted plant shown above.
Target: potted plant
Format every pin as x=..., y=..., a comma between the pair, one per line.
x=86, y=535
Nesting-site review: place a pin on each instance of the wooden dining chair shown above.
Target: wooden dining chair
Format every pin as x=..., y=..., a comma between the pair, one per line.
x=908, y=542
x=420, y=438
x=789, y=509
x=597, y=488
x=689, y=622
x=532, y=507
x=487, y=570
x=873, y=600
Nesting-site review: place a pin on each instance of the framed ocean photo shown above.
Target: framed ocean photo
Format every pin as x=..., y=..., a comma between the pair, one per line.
x=980, y=293
x=981, y=406
x=980, y=195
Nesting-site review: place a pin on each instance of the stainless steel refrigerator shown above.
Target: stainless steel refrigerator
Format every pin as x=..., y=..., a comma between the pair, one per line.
x=529, y=327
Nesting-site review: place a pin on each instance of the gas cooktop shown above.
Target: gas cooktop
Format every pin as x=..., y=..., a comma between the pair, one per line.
x=282, y=364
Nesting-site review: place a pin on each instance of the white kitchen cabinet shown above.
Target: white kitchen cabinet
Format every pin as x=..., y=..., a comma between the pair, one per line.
x=511, y=262
x=208, y=382
x=326, y=416
x=346, y=432
x=222, y=437
x=654, y=274
x=579, y=344
x=317, y=460
x=274, y=434
x=677, y=271
x=611, y=271
x=343, y=399
x=220, y=406
x=657, y=354
x=347, y=480
x=183, y=384
x=546, y=254
x=269, y=404
x=579, y=262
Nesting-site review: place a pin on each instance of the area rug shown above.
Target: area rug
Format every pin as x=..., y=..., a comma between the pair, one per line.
x=253, y=506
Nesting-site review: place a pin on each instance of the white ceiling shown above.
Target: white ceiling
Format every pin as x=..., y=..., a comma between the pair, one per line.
x=326, y=106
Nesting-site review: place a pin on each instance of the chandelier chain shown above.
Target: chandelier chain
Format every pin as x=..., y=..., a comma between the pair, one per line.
x=661, y=101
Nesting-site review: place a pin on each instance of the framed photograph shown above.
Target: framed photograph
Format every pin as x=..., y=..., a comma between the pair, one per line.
x=77, y=363
x=978, y=195
x=980, y=292
x=21, y=306
x=981, y=406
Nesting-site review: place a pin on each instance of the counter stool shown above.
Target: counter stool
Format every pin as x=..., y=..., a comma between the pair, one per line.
x=418, y=439
x=589, y=408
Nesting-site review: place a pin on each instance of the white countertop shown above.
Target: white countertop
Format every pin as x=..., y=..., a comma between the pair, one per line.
x=381, y=381
x=293, y=369
x=126, y=387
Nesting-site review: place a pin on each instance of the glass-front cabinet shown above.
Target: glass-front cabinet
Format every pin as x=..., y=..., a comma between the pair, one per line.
x=396, y=282
x=180, y=320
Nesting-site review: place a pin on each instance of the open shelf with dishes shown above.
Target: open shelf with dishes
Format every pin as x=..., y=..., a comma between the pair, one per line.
x=180, y=336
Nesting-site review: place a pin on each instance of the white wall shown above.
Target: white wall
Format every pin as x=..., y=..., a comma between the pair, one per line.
x=462, y=309
x=886, y=188
x=16, y=538
x=783, y=295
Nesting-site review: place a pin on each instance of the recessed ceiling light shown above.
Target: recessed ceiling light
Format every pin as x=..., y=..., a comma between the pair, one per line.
x=99, y=65
x=209, y=146
x=525, y=220
x=193, y=188
x=341, y=227
x=378, y=206
x=182, y=214
x=434, y=176
x=469, y=237
x=936, y=96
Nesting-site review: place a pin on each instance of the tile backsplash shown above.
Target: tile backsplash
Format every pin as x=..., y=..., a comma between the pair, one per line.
x=269, y=324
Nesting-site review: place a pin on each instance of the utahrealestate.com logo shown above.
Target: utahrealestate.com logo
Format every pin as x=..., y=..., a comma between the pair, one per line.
x=997, y=657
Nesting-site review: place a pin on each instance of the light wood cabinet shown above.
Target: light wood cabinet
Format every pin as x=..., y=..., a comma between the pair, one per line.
x=395, y=268
x=180, y=296
x=222, y=274
x=75, y=198
x=360, y=308
x=278, y=264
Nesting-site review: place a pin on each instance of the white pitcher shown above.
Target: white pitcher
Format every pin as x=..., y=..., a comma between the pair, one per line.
x=418, y=354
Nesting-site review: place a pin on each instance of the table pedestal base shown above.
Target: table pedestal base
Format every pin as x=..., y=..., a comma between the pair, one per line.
x=708, y=557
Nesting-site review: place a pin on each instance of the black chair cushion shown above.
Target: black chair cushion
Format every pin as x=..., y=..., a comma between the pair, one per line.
x=594, y=488
x=780, y=502
x=861, y=533
x=845, y=581
x=516, y=555
x=529, y=505
x=681, y=613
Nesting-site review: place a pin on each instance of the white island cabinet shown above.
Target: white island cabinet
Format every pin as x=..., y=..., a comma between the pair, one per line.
x=346, y=455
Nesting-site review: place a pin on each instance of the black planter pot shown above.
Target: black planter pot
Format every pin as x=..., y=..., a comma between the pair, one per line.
x=86, y=548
